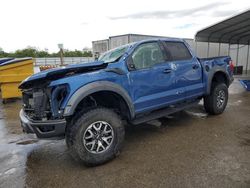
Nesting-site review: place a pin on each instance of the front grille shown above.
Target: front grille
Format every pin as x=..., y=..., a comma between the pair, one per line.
x=36, y=104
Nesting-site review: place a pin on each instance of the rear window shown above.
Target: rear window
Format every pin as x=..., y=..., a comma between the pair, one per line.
x=178, y=51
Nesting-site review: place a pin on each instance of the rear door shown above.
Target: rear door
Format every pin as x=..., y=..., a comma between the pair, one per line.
x=187, y=70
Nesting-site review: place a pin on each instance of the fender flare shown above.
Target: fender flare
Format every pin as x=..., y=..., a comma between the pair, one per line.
x=91, y=88
x=211, y=76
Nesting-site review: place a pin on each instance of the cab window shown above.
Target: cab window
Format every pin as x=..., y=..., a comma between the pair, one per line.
x=178, y=51
x=146, y=55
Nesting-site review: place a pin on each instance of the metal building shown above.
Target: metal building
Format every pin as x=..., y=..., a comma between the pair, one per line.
x=101, y=46
x=233, y=33
x=114, y=41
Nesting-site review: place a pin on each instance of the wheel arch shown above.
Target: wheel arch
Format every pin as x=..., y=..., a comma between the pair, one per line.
x=218, y=75
x=96, y=87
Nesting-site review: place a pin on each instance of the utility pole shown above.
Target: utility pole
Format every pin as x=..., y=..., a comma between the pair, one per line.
x=60, y=46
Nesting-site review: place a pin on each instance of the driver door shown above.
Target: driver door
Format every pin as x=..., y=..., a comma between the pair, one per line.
x=152, y=81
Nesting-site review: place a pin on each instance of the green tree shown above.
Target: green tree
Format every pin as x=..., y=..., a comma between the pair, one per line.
x=54, y=54
x=87, y=54
x=27, y=52
x=3, y=53
x=77, y=53
x=42, y=54
x=34, y=52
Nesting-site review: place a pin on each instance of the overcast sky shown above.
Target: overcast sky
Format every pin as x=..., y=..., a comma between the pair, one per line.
x=75, y=23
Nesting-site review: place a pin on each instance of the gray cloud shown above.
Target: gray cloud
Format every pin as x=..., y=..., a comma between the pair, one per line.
x=223, y=13
x=166, y=14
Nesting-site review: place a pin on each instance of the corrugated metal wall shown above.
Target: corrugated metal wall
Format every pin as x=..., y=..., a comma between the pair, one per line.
x=116, y=41
x=100, y=46
x=135, y=38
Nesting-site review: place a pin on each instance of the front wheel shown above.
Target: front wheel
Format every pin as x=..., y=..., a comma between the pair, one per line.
x=95, y=137
x=216, y=102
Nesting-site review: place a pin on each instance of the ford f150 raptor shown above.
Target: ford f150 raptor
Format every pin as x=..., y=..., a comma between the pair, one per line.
x=88, y=103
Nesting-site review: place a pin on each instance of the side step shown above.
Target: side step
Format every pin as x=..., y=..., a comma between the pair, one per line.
x=164, y=112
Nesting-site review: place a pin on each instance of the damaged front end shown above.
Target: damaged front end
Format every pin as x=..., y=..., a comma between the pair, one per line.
x=44, y=103
x=42, y=111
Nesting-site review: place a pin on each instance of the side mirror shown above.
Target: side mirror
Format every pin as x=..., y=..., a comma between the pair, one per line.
x=130, y=64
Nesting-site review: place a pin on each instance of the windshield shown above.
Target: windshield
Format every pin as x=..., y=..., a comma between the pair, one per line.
x=114, y=55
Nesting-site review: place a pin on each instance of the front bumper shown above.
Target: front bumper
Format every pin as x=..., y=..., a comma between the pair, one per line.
x=43, y=129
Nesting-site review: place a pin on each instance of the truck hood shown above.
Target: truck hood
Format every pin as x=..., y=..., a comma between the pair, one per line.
x=57, y=73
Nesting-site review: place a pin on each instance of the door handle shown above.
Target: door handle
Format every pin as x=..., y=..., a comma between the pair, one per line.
x=179, y=92
x=166, y=71
x=195, y=66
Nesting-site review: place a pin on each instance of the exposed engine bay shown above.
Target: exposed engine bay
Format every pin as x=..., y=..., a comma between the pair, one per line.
x=41, y=102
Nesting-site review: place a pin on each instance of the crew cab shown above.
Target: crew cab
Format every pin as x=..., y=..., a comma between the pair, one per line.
x=90, y=103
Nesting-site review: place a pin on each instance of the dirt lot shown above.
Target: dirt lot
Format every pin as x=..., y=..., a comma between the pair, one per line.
x=189, y=149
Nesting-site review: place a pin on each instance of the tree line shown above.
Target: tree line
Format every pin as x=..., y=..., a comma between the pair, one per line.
x=33, y=52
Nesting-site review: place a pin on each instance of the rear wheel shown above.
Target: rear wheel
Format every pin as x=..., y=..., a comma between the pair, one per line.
x=95, y=137
x=216, y=102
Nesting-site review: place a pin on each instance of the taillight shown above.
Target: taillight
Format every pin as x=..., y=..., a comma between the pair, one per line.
x=231, y=65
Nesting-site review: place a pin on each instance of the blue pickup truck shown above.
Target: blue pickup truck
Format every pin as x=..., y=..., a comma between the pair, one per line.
x=89, y=104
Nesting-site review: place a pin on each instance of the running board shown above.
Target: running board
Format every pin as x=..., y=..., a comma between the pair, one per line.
x=164, y=112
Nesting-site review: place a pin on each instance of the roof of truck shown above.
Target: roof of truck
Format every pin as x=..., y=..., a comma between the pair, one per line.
x=162, y=39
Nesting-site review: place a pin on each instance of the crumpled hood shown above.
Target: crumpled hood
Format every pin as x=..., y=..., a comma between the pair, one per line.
x=57, y=73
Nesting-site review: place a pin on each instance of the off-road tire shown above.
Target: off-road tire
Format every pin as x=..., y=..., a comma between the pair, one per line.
x=76, y=128
x=210, y=101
